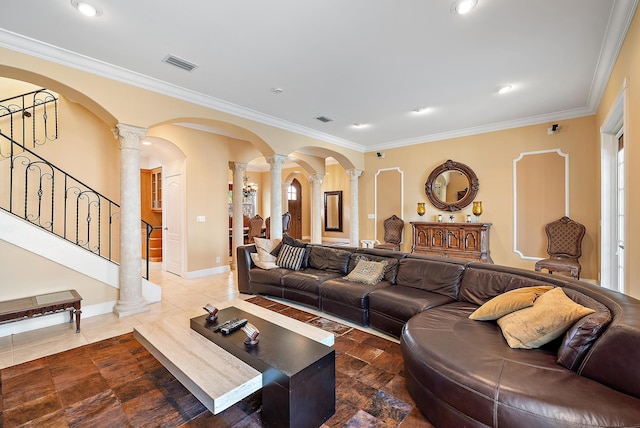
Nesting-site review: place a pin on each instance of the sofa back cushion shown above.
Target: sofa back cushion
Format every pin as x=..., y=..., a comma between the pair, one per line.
x=578, y=339
x=481, y=285
x=390, y=269
x=328, y=258
x=431, y=275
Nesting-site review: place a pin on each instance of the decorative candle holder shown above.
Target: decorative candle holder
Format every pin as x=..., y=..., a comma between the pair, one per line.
x=421, y=209
x=477, y=210
x=439, y=218
x=212, y=311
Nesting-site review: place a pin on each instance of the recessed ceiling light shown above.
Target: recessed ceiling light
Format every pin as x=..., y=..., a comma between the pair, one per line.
x=277, y=91
x=360, y=125
x=504, y=89
x=85, y=8
x=463, y=6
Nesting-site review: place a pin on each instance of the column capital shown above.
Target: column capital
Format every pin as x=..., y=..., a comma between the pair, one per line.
x=129, y=136
x=237, y=166
x=316, y=178
x=276, y=161
x=354, y=173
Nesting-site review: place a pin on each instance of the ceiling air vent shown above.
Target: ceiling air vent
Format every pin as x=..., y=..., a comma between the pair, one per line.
x=179, y=62
x=324, y=119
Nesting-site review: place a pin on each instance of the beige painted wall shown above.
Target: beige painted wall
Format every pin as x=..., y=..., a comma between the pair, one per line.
x=628, y=67
x=20, y=279
x=491, y=157
x=206, y=185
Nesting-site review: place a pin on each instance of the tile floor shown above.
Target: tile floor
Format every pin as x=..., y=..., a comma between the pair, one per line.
x=369, y=380
x=179, y=295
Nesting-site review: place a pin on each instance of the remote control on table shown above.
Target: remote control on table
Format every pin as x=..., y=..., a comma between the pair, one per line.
x=232, y=325
x=224, y=324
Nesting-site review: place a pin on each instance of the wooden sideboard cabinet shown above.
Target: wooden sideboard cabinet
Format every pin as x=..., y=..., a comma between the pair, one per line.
x=455, y=240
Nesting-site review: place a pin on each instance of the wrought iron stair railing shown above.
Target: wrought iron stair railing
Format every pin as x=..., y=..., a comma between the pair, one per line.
x=46, y=196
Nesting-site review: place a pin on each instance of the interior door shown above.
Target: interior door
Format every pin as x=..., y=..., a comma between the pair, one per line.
x=294, y=199
x=173, y=224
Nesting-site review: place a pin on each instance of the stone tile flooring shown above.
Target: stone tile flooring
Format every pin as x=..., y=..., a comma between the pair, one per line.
x=55, y=377
x=116, y=382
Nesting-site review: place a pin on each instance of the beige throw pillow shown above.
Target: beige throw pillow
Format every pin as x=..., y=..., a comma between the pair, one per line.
x=263, y=258
x=508, y=302
x=549, y=317
x=264, y=248
x=262, y=265
x=367, y=272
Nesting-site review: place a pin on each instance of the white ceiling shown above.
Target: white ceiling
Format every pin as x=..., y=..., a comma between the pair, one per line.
x=355, y=61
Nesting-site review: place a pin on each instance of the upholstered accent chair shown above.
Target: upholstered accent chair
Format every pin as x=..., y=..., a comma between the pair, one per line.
x=286, y=220
x=393, y=227
x=255, y=227
x=564, y=247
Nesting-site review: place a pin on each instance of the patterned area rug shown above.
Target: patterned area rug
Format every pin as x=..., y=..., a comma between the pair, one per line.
x=117, y=383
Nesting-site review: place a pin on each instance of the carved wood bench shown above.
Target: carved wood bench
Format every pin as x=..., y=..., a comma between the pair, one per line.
x=42, y=304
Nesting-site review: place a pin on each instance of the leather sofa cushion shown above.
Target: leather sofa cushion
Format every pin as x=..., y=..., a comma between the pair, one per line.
x=468, y=366
x=308, y=280
x=328, y=258
x=402, y=302
x=271, y=276
x=479, y=286
x=578, y=339
x=431, y=275
x=352, y=294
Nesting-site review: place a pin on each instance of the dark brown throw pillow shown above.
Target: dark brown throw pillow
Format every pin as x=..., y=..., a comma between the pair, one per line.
x=327, y=258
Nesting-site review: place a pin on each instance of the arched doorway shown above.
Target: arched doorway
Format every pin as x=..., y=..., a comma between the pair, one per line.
x=294, y=206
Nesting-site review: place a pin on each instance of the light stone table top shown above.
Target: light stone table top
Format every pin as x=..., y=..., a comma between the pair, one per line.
x=211, y=374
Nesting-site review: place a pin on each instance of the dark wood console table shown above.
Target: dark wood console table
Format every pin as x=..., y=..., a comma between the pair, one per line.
x=455, y=240
x=42, y=304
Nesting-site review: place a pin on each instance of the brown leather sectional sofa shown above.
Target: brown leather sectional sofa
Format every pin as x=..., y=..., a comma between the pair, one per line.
x=459, y=371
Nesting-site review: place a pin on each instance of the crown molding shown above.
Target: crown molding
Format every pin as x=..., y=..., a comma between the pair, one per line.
x=498, y=126
x=620, y=19
x=48, y=52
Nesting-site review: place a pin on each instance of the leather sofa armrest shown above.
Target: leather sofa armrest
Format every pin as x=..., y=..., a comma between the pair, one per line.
x=243, y=264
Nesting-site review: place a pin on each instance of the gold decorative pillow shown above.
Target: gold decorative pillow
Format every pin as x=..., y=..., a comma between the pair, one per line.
x=550, y=316
x=367, y=272
x=508, y=302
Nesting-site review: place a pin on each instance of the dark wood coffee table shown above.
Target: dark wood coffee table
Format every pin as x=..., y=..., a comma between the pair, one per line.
x=298, y=373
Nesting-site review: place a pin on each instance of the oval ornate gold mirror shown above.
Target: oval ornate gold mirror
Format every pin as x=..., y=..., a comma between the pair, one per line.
x=451, y=186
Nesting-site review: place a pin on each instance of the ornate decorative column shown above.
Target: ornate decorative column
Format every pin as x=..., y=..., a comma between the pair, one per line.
x=355, y=224
x=276, y=162
x=130, y=274
x=316, y=207
x=238, y=220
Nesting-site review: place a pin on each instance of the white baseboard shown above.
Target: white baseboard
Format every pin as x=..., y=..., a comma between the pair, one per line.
x=207, y=272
